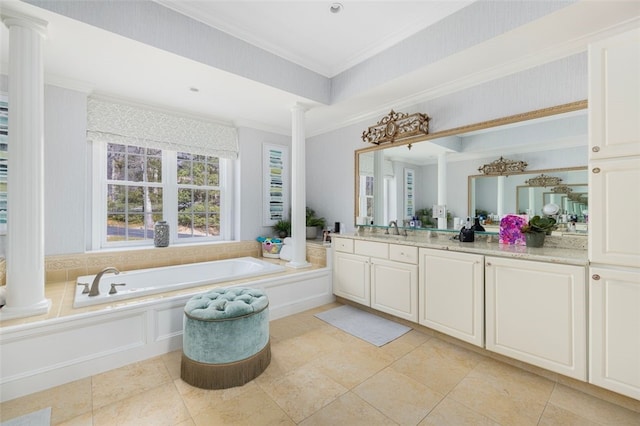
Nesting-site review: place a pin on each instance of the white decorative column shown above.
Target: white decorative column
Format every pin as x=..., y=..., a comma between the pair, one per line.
x=25, y=181
x=442, y=187
x=298, y=189
x=378, y=187
x=501, y=196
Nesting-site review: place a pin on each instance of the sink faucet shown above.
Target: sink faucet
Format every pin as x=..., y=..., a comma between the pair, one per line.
x=95, y=286
x=394, y=224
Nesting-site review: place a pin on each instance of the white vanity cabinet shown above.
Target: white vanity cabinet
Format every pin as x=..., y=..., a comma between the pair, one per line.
x=614, y=324
x=351, y=273
x=451, y=294
x=380, y=275
x=394, y=283
x=536, y=312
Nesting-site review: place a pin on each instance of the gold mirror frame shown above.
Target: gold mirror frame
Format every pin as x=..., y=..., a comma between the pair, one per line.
x=531, y=115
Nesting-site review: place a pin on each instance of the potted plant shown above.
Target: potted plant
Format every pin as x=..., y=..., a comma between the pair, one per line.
x=282, y=228
x=536, y=229
x=313, y=223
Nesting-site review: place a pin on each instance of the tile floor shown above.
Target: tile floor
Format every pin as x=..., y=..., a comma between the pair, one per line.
x=320, y=375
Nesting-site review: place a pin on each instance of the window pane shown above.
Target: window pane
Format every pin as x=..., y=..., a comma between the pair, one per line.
x=115, y=165
x=198, y=173
x=213, y=171
x=154, y=169
x=135, y=198
x=199, y=225
x=155, y=198
x=135, y=149
x=184, y=200
x=135, y=228
x=135, y=168
x=199, y=200
x=184, y=171
x=214, y=225
x=116, y=198
x=116, y=228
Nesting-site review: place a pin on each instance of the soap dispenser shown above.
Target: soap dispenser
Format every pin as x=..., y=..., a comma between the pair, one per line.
x=467, y=235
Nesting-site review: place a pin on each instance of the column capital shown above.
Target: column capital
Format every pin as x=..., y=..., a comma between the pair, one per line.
x=299, y=107
x=12, y=18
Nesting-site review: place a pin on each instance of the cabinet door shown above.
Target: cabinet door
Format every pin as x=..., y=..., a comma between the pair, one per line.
x=351, y=277
x=614, y=203
x=614, y=101
x=451, y=294
x=536, y=312
x=394, y=288
x=614, y=330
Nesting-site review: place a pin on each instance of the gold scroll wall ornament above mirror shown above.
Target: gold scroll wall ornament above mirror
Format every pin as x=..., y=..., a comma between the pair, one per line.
x=503, y=167
x=397, y=127
x=392, y=159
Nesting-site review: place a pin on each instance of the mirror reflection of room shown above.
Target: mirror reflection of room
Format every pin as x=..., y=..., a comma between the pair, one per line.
x=445, y=173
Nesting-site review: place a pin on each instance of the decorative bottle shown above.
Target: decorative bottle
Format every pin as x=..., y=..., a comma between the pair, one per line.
x=477, y=226
x=161, y=234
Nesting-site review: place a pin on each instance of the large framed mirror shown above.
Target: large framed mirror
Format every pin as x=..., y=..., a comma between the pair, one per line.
x=400, y=181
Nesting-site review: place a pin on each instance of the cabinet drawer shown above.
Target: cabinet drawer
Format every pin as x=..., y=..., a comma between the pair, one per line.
x=344, y=245
x=368, y=248
x=405, y=254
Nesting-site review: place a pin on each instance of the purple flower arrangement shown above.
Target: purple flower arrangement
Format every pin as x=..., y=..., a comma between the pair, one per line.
x=510, y=232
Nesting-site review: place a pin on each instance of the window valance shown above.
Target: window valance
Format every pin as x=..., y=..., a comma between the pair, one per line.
x=113, y=122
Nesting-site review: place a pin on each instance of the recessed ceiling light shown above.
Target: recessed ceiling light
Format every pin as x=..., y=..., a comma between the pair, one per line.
x=336, y=8
x=194, y=89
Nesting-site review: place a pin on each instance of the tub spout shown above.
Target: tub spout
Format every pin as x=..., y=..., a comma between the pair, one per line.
x=95, y=286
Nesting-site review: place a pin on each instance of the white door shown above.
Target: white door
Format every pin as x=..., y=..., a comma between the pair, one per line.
x=394, y=288
x=614, y=330
x=614, y=96
x=536, y=312
x=351, y=277
x=451, y=294
x=614, y=206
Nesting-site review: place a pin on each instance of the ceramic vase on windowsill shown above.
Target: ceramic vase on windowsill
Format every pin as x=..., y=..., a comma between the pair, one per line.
x=161, y=234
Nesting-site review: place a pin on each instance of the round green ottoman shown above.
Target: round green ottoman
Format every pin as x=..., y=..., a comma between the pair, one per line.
x=226, y=338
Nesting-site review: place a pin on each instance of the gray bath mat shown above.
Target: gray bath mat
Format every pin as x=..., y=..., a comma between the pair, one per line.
x=37, y=418
x=371, y=328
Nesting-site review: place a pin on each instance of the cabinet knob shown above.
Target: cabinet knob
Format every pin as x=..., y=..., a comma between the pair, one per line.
x=488, y=263
x=595, y=277
x=596, y=170
x=595, y=149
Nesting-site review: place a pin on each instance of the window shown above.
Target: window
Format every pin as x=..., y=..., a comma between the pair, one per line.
x=198, y=179
x=144, y=185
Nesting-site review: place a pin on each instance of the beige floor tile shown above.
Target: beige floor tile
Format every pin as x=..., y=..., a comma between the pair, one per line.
x=438, y=364
x=66, y=401
x=594, y=409
x=405, y=344
x=348, y=409
x=504, y=393
x=399, y=397
x=122, y=383
x=452, y=413
x=294, y=352
x=172, y=363
x=351, y=367
x=250, y=408
x=302, y=392
x=85, y=419
x=199, y=400
x=556, y=416
x=161, y=405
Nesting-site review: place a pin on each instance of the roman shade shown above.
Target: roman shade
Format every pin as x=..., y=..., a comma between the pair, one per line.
x=121, y=123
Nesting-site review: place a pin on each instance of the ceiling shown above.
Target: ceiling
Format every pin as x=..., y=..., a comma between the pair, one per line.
x=86, y=58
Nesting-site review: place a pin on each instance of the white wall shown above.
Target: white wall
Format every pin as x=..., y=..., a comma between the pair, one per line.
x=250, y=184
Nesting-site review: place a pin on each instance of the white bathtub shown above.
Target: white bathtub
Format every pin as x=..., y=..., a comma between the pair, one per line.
x=143, y=282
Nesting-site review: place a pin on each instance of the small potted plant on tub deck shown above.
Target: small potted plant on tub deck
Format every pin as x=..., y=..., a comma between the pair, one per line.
x=282, y=228
x=536, y=229
x=313, y=223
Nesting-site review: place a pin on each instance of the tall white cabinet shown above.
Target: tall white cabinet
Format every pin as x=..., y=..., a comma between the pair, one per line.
x=614, y=206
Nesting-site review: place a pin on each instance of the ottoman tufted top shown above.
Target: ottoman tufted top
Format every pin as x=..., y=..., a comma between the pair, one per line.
x=225, y=303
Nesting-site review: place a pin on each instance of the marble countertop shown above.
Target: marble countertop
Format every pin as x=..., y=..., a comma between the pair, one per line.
x=486, y=247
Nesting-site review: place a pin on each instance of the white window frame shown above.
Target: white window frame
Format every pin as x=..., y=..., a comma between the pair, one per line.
x=169, y=200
